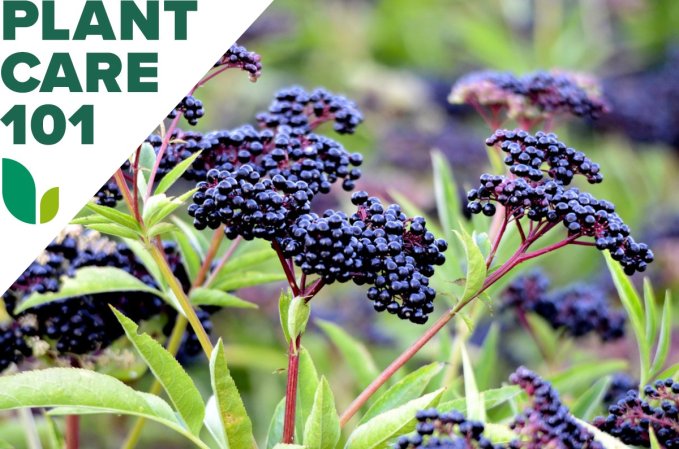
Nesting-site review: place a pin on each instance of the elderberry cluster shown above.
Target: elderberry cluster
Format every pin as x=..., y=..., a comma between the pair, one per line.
x=377, y=246
x=546, y=423
x=109, y=194
x=81, y=324
x=578, y=310
x=631, y=418
x=191, y=108
x=450, y=430
x=300, y=109
x=239, y=57
x=526, y=192
x=537, y=95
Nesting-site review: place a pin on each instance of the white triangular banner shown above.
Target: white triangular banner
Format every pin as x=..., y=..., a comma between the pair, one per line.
x=121, y=120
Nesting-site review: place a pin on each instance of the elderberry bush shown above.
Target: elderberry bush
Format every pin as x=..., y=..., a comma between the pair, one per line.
x=82, y=324
x=578, y=310
x=541, y=168
x=632, y=417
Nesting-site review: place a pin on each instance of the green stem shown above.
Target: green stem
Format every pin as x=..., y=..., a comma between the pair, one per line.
x=32, y=437
x=183, y=300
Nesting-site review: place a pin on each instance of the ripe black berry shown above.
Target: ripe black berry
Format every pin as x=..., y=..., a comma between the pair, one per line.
x=239, y=57
x=191, y=108
x=109, y=194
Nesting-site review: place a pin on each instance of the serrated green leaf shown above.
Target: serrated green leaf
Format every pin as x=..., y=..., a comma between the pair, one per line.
x=114, y=229
x=589, y=403
x=18, y=191
x=177, y=384
x=354, y=352
x=190, y=255
x=475, y=404
x=160, y=229
x=90, y=281
x=176, y=173
x=248, y=279
x=664, y=337
x=213, y=423
x=87, y=392
x=90, y=219
x=410, y=387
x=384, y=428
x=212, y=297
x=275, y=433
x=322, y=429
x=116, y=216
x=237, y=424
x=49, y=205
x=307, y=386
x=476, y=266
x=298, y=317
x=283, y=312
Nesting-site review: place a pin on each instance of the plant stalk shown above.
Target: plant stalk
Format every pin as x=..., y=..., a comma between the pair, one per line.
x=72, y=435
x=291, y=391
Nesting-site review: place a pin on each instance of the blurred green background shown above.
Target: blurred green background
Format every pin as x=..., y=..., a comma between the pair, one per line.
x=398, y=59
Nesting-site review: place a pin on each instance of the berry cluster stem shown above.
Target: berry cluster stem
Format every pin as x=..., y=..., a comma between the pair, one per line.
x=291, y=391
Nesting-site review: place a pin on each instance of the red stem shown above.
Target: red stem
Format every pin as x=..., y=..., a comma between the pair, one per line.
x=161, y=153
x=291, y=391
x=289, y=273
x=497, y=239
x=72, y=432
x=125, y=190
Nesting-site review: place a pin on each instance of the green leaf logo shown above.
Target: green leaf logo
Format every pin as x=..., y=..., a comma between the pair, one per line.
x=20, y=196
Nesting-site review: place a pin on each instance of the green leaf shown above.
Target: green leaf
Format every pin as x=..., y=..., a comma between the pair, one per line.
x=289, y=446
x=90, y=281
x=298, y=317
x=307, y=387
x=160, y=229
x=635, y=310
x=190, y=254
x=115, y=230
x=671, y=372
x=476, y=266
x=664, y=337
x=147, y=160
x=49, y=205
x=198, y=240
x=584, y=374
x=445, y=190
x=86, y=392
x=486, y=370
x=177, y=384
x=382, y=429
x=322, y=429
x=18, y=191
x=248, y=279
x=243, y=262
x=176, y=173
x=491, y=398
x=410, y=387
x=121, y=218
x=283, y=310
x=90, y=219
x=237, y=424
x=158, y=207
x=213, y=423
x=651, y=313
x=354, y=352
x=475, y=404
x=275, y=433
x=211, y=297
x=589, y=403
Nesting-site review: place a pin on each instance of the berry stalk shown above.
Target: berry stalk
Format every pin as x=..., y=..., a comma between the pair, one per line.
x=72, y=434
x=291, y=391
